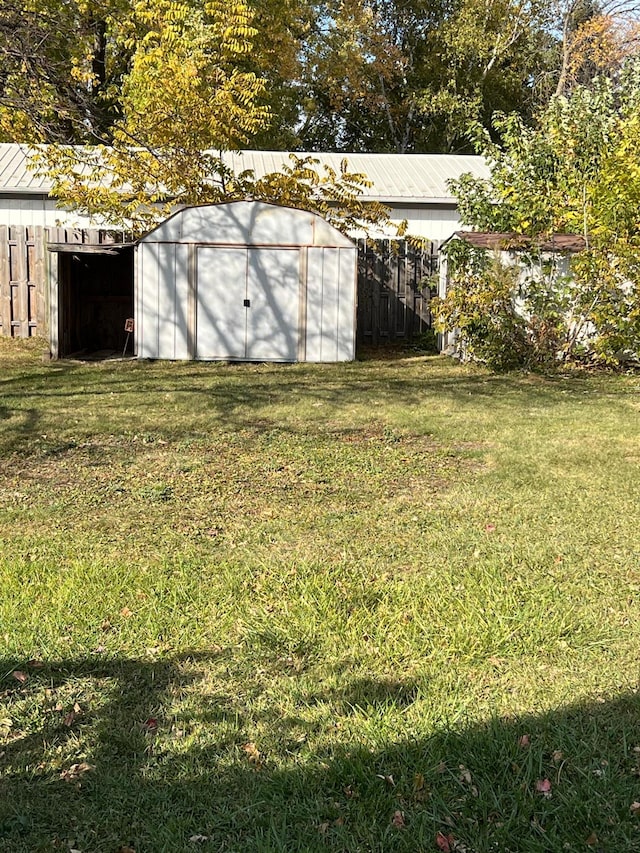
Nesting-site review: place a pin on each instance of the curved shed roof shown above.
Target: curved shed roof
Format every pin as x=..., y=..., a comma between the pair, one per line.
x=247, y=223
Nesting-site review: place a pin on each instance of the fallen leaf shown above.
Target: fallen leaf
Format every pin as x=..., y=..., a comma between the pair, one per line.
x=465, y=775
x=388, y=779
x=126, y=612
x=322, y=829
x=20, y=676
x=339, y=821
x=543, y=786
x=253, y=754
x=445, y=842
x=150, y=725
x=69, y=718
x=398, y=820
x=76, y=771
x=126, y=849
x=592, y=840
x=418, y=782
x=634, y=808
x=557, y=755
x=524, y=741
x=490, y=528
x=106, y=625
x=195, y=839
x=34, y=663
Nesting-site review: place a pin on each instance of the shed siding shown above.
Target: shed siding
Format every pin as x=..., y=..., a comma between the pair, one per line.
x=315, y=278
x=347, y=306
x=162, y=302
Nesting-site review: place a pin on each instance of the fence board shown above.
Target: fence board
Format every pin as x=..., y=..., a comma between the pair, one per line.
x=39, y=280
x=393, y=290
x=5, y=282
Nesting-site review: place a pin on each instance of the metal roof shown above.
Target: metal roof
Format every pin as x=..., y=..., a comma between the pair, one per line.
x=400, y=178
x=404, y=178
x=15, y=177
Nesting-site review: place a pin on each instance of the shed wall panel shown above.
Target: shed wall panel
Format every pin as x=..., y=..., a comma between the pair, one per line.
x=330, y=305
x=346, y=305
x=173, y=287
x=181, y=303
x=315, y=279
x=149, y=293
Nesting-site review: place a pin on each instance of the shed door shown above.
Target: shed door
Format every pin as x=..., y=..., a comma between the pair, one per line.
x=272, y=314
x=222, y=284
x=247, y=303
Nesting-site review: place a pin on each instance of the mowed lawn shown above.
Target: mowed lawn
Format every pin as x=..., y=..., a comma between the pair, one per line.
x=383, y=606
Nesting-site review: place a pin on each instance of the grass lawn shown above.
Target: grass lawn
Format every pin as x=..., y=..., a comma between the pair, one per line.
x=382, y=606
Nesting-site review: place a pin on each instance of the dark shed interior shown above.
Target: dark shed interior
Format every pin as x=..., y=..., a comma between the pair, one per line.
x=96, y=299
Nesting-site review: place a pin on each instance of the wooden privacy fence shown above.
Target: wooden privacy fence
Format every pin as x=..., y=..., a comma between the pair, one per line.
x=393, y=283
x=394, y=279
x=23, y=271
x=22, y=281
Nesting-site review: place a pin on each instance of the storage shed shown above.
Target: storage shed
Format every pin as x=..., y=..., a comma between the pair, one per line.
x=243, y=281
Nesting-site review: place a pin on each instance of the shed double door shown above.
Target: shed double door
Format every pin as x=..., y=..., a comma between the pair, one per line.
x=247, y=303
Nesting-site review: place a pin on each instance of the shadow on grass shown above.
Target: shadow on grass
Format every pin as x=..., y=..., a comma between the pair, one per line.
x=242, y=396
x=154, y=788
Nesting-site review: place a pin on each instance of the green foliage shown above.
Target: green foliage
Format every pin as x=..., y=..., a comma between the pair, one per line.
x=185, y=100
x=411, y=75
x=577, y=172
x=481, y=304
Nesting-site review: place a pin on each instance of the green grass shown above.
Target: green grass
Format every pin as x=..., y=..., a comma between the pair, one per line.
x=274, y=606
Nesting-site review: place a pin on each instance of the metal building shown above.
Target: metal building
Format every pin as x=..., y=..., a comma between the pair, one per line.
x=245, y=281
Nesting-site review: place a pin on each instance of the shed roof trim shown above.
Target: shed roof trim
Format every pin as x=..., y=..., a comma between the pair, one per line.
x=510, y=241
x=247, y=223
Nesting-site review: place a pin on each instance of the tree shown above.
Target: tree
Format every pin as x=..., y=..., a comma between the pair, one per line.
x=409, y=75
x=60, y=67
x=186, y=99
x=598, y=37
x=576, y=172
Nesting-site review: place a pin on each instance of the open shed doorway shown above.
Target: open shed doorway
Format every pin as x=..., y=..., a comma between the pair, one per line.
x=95, y=301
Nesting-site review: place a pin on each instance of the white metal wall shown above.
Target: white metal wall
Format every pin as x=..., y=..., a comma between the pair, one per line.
x=162, y=301
x=434, y=222
x=32, y=210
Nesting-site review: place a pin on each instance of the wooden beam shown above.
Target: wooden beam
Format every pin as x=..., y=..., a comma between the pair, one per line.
x=5, y=283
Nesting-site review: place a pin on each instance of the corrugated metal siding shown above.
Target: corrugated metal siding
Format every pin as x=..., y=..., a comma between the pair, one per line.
x=408, y=177
x=34, y=211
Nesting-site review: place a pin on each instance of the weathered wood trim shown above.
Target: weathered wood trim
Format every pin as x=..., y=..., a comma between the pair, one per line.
x=54, y=307
x=40, y=281
x=5, y=283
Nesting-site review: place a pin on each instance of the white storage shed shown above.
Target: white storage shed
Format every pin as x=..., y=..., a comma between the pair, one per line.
x=245, y=281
